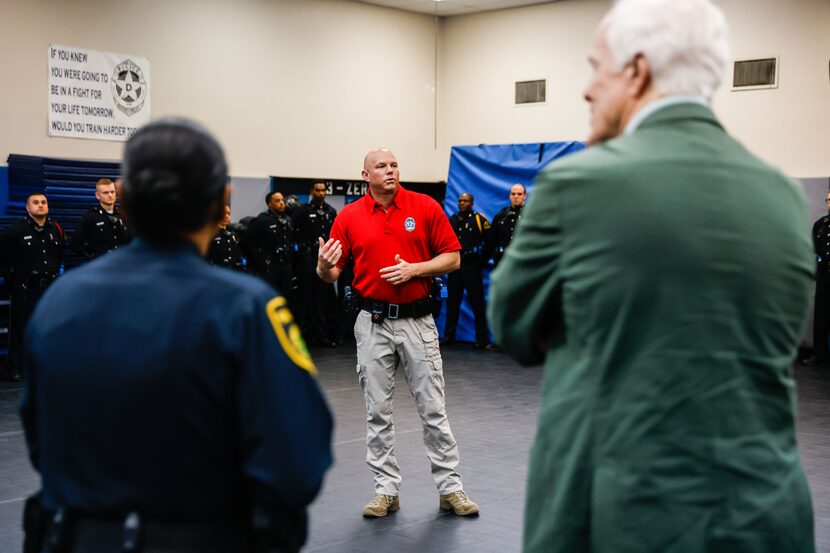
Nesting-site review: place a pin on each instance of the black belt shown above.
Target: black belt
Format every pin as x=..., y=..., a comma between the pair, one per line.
x=38, y=280
x=84, y=533
x=381, y=310
x=277, y=257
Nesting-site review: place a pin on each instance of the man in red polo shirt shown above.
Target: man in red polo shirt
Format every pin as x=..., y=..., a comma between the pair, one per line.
x=398, y=239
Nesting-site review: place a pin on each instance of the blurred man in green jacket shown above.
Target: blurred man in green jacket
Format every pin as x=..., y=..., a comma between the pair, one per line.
x=662, y=276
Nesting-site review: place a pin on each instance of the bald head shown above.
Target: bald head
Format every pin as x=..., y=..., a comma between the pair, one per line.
x=380, y=170
x=370, y=157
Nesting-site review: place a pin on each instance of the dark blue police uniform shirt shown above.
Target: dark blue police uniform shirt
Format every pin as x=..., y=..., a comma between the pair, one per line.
x=168, y=386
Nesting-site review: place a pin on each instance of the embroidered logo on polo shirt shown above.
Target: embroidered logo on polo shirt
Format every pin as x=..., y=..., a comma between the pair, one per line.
x=409, y=224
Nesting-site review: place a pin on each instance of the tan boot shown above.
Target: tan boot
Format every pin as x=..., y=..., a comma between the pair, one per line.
x=381, y=505
x=458, y=503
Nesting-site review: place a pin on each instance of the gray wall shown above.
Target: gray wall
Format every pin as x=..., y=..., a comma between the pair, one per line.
x=248, y=196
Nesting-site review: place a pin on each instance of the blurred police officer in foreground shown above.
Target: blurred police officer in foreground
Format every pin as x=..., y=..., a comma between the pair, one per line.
x=269, y=244
x=31, y=252
x=103, y=228
x=505, y=221
x=473, y=231
x=191, y=419
x=224, y=249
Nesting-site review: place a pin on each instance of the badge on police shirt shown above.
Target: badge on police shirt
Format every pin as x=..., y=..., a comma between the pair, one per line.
x=409, y=224
x=288, y=333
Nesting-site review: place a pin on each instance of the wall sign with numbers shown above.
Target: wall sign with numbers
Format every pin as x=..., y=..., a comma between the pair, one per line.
x=300, y=186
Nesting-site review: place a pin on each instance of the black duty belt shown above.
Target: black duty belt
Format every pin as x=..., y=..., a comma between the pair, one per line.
x=37, y=279
x=276, y=257
x=133, y=535
x=381, y=310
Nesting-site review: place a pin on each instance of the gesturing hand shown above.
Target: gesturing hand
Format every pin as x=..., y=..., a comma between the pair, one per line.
x=328, y=255
x=400, y=273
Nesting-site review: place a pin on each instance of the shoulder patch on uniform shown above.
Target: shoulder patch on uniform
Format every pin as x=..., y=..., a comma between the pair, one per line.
x=288, y=333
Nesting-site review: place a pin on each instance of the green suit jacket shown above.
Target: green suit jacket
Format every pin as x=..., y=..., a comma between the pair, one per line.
x=663, y=277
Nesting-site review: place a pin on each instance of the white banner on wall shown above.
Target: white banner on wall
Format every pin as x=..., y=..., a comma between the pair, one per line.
x=99, y=95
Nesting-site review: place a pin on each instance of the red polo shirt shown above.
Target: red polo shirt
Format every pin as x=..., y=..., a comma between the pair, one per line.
x=413, y=226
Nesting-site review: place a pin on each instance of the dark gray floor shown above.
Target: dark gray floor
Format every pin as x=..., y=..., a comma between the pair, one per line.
x=492, y=408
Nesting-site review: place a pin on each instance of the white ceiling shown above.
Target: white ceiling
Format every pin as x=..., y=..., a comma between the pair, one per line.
x=453, y=7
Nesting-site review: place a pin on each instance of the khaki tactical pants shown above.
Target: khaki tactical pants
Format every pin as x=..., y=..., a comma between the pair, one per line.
x=413, y=345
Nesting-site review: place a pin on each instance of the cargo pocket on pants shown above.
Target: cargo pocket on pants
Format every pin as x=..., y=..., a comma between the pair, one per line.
x=361, y=378
x=432, y=354
x=429, y=337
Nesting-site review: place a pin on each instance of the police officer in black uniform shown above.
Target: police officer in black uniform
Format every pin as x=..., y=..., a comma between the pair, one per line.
x=269, y=245
x=225, y=249
x=102, y=228
x=473, y=231
x=31, y=252
x=190, y=420
x=505, y=221
x=318, y=310
x=821, y=313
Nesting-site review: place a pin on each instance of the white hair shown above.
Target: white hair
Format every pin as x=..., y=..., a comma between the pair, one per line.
x=686, y=42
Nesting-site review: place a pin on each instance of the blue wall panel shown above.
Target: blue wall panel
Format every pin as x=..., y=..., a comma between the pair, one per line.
x=487, y=172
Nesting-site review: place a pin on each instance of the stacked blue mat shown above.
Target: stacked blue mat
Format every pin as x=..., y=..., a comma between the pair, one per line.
x=68, y=183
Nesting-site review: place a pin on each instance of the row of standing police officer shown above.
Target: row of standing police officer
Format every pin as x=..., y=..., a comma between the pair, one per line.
x=31, y=256
x=282, y=250
x=480, y=241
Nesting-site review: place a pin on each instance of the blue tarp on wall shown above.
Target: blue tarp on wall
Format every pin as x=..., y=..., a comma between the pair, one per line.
x=487, y=172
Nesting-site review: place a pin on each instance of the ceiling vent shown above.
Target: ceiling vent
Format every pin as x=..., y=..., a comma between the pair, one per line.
x=755, y=74
x=530, y=92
